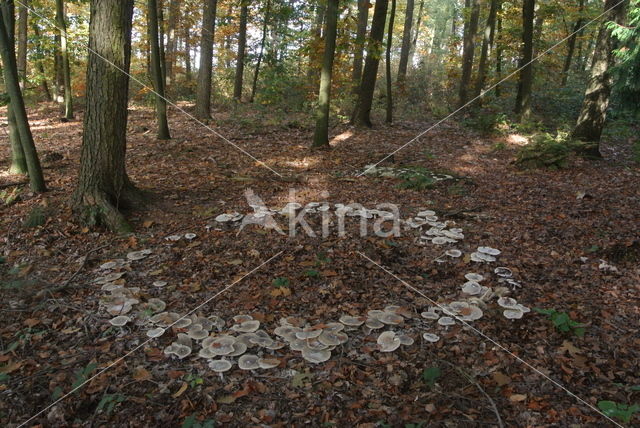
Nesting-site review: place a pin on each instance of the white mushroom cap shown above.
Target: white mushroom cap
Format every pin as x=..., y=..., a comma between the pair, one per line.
x=472, y=288
x=110, y=287
x=249, y=362
x=160, y=284
x=137, y=255
x=351, y=321
x=196, y=332
x=513, y=313
x=329, y=338
x=109, y=265
x=308, y=333
x=165, y=318
x=273, y=345
x=472, y=313
x=430, y=315
x=476, y=277
x=268, y=363
x=333, y=327
x=454, y=253
x=119, y=321
x=249, y=326
x=503, y=272
x=489, y=250
x=426, y=213
x=508, y=302
x=222, y=345
x=220, y=366
x=183, y=322
x=114, y=276
x=246, y=339
x=180, y=351
x=373, y=323
x=482, y=257
x=287, y=332
x=439, y=240
x=405, y=340
x=391, y=318
x=524, y=309
x=446, y=321
x=430, y=337
x=316, y=356
x=206, y=353
x=239, y=348
x=156, y=305
x=190, y=236
x=388, y=342
x=375, y=313
x=173, y=238
x=242, y=318
x=298, y=345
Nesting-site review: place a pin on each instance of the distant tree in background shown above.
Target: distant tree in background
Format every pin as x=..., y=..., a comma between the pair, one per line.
x=156, y=72
x=525, y=82
x=203, y=91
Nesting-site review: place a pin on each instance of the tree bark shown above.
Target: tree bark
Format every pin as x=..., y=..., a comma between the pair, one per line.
x=593, y=114
x=203, y=91
x=242, y=47
x=362, y=115
x=321, y=135
x=471, y=29
x=499, y=50
x=406, y=42
x=254, y=85
x=487, y=41
x=416, y=33
x=313, y=71
x=172, y=39
x=361, y=37
x=156, y=72
x=571, y=45
x=103, y=184
x=64, y=58
x=43, y=79
x=23, y=26
x=187, y=55
x=392, y=18
x=19, y=112
x=525, y=85
x=161, y=37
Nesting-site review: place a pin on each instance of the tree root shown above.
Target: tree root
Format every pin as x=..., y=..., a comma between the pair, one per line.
x=96, y=208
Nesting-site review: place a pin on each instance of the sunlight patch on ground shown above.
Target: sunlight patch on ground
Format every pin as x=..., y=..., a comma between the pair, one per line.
x=338, y=139
x=517, y=140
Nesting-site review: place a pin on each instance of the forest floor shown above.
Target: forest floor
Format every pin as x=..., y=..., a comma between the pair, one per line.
x=569, y=236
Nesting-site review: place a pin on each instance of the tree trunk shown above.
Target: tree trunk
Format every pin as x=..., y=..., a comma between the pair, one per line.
x=18, y=110
x=172, y=39
x=313, y=71
x=23, y=26
x=321, y=135
x=362, y=115
x=416, y=33
x=392, y=18
x=203, y=91
x=254, y=85
x=571, y=46
x=525, y=85
x=187, y=54
x=161, y=37
x=103, y=185
x=487, y=41
x=64, y=57
x=468, y=51
x=361, y=37
x=156, y=72
x=499, y=50
x=43, y=79
x=593, y=114
x=242, y=47
x=406, y=42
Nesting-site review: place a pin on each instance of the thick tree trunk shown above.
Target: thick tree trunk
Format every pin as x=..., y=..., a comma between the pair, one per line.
x=23, y=26
x=254, y=85
x=571, y=45
x=156, y=72
x=203, y=91
x=525, y=85
x=172, y=39
x=242, y=47
x=593, y=114
x=361, y=37
x=487, y=41
x=43, y=76
x=64, y=58
x=103, y=185
x=362, y=115
x=17, y=108
x=392, y=18
x=468, y=52
x=416, y=33
x=406, y=42
x=321, y=135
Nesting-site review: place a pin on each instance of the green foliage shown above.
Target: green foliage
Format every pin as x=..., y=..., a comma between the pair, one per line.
x=83, y=374
x=280, y=282
x=627, y=71
x=192, y=422
x=431, y=375
x=622, y=412
x=487, y=123
x=37, y=217
x=312, y=273
x=9, y=197
x=416, y=178
x=546, y=151
x=193, y=380
x=563, y=322
x=109, y=402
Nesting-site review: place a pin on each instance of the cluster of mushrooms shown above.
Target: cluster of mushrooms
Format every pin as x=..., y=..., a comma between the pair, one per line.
x=390, y=172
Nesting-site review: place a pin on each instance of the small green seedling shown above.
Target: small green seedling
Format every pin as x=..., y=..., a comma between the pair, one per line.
x=312, y=273
x=280, y=282
x=83, y=374
x=563, y=322
x=109, y=402
x=431, y=375
x=622, y=412
x=192, y=422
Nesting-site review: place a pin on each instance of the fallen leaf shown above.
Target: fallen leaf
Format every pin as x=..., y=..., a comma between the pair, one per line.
x=181, y=391
x=515, y=398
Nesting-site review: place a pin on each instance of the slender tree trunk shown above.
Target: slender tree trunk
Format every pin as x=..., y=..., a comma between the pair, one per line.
x=23, y=26
x=593, y=114
x=203, y=91
x=321, y=135
x=43, y=79
x=187, y=54
x=487, y=41
x=313, y=72
x=64, y=57
x=242, y=47
x=362, y=115
x=254, y=85
x=58, y=80
x=172, y=39
x=156, y=72
x=18, y=110
x=471, y=29
x=525, y=85
x=361, y=37
x=103, y=185
x=571, y=45
x=392, y=18
x=226, y=43
x=406, y=42
x=161, y=37
x=416, y=33
x=499, y=50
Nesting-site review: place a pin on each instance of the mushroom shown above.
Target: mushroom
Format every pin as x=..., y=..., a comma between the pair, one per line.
x=503, y=272
x=287, y=332
x=391, y=318
x=446, y=321
x=472, y=313
x=197, y=332
x=482, y=257
x=220, y=366
x=239, y=348
x=181, y=351
x=155, y=332
x=183, y=323
x=439, y=240
x=217, y=321
x=206, y=353
x=388, y=342
x=119, y=321
x=249, y=362
x=156, y=305
x=298, y=344
x=508, y=302
x=490, y=251
x=513, y=313
x=110, y=287
x=190, y=236
x=426, y=213
x=109, y=265
x=222, y=345
x=160, y=284
x=242, y=318
x=246, y=339
x=453, y=253
x=249, y=326
x=351, y=321
x=137, y=255
x=333, y=327
x=329, y=338
x=430, y=337
x=173, y=238
x=268, y=363
x=316, y=356
x=430, y=315
x=472, y=288
x=405, y=340
x=165, y=318
x=373, y=323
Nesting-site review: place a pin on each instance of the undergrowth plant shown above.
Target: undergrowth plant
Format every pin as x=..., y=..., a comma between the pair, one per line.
x=563, y=322
x=622, y=412
x=416, y=178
